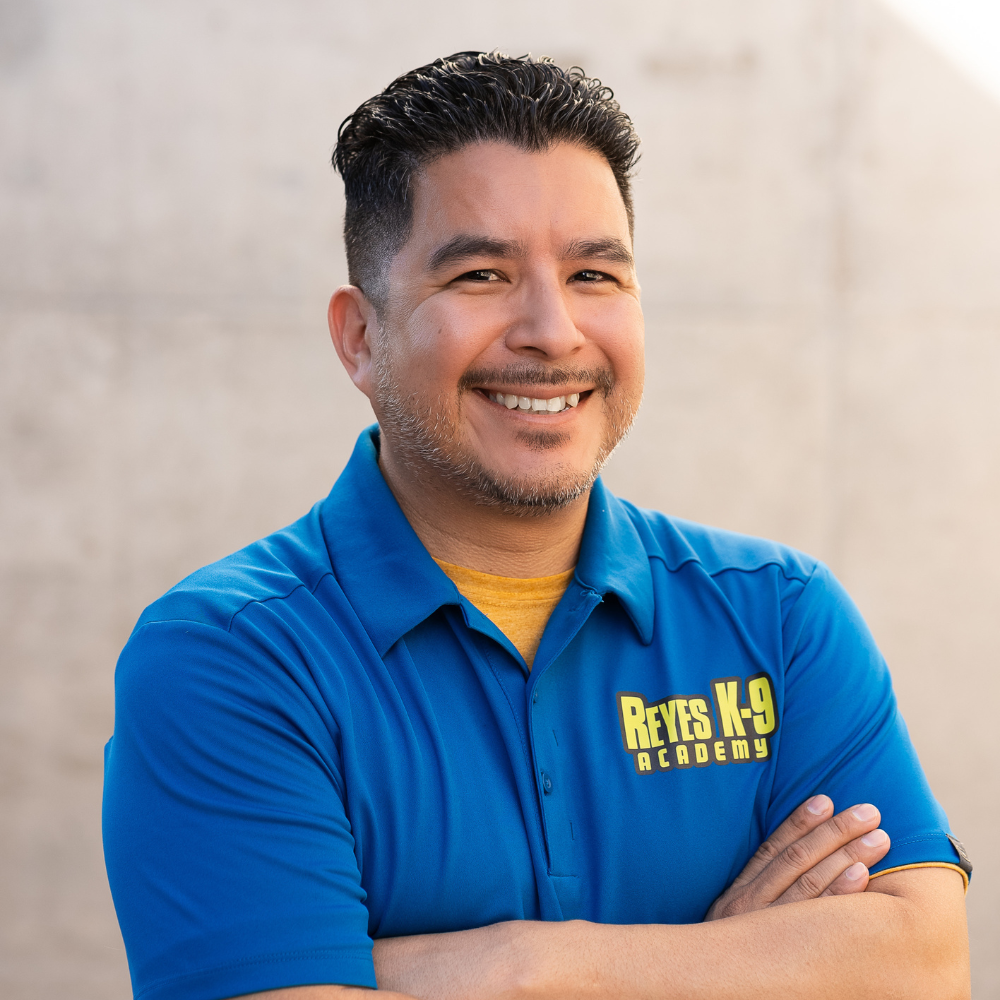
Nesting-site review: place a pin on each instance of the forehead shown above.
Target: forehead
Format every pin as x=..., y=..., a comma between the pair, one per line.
x=562, y=193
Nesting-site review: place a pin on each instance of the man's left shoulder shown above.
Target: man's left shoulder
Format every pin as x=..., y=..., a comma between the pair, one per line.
x=678, y=542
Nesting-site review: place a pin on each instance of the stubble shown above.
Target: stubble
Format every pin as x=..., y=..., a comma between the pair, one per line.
x=427, y=439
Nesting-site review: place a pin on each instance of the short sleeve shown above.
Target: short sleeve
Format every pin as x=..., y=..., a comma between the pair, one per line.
x=228, y=848
x=842, y=733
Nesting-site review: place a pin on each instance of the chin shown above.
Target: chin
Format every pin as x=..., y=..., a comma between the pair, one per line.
x=524, y=492
x=542, y=469
x=542, y=452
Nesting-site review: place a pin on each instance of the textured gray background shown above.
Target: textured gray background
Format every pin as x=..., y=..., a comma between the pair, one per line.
x=819, y=243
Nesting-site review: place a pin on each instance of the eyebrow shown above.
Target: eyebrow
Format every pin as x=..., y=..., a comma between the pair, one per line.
x=605, y=249
x=464, y=246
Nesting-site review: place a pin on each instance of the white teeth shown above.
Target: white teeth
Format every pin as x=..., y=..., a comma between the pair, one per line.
x=555, y=405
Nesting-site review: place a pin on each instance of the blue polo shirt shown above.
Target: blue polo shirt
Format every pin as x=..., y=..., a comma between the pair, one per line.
x=318, y=741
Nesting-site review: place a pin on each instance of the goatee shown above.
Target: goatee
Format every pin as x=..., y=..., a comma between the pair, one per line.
x=426, y=438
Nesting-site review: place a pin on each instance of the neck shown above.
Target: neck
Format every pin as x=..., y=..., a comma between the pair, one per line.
x=457, y=529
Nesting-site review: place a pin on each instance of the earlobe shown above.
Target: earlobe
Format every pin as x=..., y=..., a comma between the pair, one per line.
x=353, y=323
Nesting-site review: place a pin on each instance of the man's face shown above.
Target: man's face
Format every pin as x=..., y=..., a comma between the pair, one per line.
x=510, y=358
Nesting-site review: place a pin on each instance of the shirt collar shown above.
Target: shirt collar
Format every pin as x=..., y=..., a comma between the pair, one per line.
x=614, y=560
x=381, y=564
x=393, y=584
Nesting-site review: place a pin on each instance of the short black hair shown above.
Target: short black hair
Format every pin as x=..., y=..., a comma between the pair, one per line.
x=465, y=98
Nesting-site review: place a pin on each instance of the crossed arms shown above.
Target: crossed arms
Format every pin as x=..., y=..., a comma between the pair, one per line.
x=797, y=922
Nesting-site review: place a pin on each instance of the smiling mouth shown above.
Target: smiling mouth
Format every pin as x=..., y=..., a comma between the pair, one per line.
x=533, y=404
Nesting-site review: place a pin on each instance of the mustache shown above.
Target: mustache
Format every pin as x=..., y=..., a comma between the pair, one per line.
x=603, y=377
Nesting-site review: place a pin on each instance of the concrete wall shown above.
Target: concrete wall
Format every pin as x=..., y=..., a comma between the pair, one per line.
x=818, y=239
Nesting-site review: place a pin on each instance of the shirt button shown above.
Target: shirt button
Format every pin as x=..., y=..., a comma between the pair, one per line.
x=546, y=783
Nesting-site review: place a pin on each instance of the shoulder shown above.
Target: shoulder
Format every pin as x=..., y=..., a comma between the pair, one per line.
x=272, y=568
x=715, y=551
x=243, y=634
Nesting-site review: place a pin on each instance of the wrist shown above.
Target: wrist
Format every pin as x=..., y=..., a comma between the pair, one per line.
x=548, y=960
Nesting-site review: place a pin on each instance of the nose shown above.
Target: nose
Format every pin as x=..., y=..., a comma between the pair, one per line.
x=543, y=326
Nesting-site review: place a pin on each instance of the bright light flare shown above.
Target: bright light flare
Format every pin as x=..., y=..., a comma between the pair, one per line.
x=967, y=31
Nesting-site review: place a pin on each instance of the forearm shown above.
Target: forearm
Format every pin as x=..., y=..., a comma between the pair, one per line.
x=854, y=947
x=869, y=945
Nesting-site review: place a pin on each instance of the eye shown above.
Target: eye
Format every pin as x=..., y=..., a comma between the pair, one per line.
x=591, y=276
x=483, y=275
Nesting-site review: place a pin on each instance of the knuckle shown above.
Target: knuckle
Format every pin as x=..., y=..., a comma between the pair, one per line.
x=733, y=908
x=799, y=820
x=811, y=883
x=855, y=851
x=796, y=831
x=767, y=852
x=796, y=855
x=842, y=824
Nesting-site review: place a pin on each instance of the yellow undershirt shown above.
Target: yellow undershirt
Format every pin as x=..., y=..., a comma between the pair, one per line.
x=520, y=608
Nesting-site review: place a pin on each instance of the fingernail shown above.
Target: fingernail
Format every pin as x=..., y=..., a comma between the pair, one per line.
x=876, y=838
x=818, y=805
x=856, y=871
x=864, y=812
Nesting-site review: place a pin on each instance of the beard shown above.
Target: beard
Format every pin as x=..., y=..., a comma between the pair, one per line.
x=427, y=440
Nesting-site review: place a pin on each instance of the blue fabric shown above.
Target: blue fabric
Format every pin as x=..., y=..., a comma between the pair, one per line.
x=318, y=742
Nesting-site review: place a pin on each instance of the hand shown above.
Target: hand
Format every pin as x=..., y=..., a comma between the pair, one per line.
x=813, y=853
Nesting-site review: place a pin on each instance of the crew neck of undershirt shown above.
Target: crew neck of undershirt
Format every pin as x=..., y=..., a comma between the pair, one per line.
x=520, y=607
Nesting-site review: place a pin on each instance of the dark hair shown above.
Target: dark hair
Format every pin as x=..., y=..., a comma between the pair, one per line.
x=453, y=102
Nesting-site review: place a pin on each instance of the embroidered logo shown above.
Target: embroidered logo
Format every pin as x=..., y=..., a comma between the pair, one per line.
x=732, y=724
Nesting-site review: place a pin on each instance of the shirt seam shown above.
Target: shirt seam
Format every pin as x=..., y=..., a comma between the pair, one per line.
x=253, y=600
x=788, y=656
x=782, y=567
x=920, y=839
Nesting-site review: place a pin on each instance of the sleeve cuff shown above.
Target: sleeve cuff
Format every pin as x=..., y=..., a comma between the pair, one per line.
x=924, y=864
x=320, y=967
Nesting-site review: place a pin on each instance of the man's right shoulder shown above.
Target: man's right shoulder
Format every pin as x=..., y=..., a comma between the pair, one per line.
x=270, y=569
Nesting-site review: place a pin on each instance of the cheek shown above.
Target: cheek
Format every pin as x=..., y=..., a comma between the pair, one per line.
x=638, y=364
x=620, y=335
x=445, y=341
x=425, y=365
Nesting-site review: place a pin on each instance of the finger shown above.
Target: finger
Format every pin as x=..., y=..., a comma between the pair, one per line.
x=804, y=854
x=866, y=851
x=802, y=821
x=855, y=879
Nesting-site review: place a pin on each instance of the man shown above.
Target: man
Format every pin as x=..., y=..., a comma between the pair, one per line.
x=530, y=739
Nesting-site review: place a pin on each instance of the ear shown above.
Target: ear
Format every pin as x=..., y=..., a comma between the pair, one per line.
x=353, y=326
